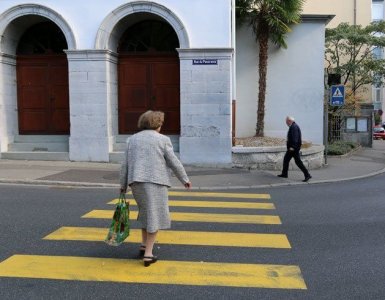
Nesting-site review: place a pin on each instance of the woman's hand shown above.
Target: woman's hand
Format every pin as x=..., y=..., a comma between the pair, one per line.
x=188, y=185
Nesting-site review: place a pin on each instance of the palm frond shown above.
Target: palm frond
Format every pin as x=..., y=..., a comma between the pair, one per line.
x=275, y=16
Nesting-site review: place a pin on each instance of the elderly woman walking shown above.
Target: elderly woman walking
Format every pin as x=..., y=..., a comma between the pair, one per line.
x=147, y=158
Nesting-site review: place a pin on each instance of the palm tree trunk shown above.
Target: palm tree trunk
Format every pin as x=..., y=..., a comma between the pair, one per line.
x=263, y=56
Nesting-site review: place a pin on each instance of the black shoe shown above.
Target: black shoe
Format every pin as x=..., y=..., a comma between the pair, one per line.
x=307, y=178
x=150, y=260
x=142, y=249
x=281, y=175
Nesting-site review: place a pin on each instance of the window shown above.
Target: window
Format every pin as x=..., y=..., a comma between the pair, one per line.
x=377, y=10
x=42, y=38
x=377, y=94
x=149, y=36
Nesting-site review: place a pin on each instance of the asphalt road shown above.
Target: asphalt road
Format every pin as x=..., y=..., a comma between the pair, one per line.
x=336, y=233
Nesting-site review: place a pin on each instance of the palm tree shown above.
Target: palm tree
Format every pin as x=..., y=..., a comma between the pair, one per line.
x=270, y=20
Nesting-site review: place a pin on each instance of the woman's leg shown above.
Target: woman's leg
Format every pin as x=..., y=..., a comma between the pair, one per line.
x=150, y=241
x=144, y=236
x=142, y=247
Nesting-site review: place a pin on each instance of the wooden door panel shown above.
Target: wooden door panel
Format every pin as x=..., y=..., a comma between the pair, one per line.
x=134, y=97
x=59, y=96
x=166, y=98
x=31, y=75
x=148, y=83
x=32, y=122
x=33, y=98
x=61, y=121
x=166, y=73
x=43, y=95
x=171, y=122
x=129, y=121
x=132, y=73
x=133, y=94
x=166, y=93
x=58, y=74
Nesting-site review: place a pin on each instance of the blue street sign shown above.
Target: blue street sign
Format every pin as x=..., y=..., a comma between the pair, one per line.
x=337, y=95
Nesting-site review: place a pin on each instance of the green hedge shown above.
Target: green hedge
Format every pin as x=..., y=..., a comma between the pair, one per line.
x=341, y=148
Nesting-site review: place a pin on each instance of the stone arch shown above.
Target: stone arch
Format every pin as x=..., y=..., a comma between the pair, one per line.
x=12, y=25
x=109, y=32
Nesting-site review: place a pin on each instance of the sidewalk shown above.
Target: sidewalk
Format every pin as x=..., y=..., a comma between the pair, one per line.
x=362, y=163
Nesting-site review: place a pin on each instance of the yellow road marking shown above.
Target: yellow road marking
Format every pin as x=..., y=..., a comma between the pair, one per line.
x=197, y=217
x=217, y=204
x=233, y=239
x=216, y=195
x=163, y=272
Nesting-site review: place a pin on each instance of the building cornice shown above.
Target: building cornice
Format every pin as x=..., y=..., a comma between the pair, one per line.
x=310, y=18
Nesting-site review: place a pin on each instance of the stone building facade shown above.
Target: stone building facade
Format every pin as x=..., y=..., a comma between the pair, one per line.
x=75, y=78
x=77, y=94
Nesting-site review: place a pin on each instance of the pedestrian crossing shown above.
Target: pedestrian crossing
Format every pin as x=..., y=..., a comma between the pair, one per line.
x=197, y=217
x=166, y=272
x=200, y=273
x=226, y=239
x=213, y=204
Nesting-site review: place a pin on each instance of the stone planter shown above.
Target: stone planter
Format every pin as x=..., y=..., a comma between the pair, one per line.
x=271, y=158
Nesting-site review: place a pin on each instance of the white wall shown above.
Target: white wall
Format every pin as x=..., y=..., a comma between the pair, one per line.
x=294, y=84
x=206, y=21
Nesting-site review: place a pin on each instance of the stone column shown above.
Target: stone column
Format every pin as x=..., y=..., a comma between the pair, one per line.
x=205, y=83
x=8, y=101
x=93, y=97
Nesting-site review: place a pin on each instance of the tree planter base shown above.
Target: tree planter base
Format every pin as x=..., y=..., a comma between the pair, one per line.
x=271, y=158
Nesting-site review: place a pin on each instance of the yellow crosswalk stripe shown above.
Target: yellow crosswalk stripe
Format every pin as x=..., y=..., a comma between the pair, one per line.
x=228, y=239
x=216, y=195
x=216, y=204
x=197, y=217
x=165, y=272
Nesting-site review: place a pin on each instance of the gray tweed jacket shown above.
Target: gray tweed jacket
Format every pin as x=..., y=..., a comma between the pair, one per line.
x=147, y=158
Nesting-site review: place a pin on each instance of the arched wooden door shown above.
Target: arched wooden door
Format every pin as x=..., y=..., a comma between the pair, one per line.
x=42, y=81
x=149, y=76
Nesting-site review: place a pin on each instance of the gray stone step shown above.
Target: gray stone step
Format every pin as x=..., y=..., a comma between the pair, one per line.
x=116, y=157
x=39, y=143
x=119, y=147
x=40, y=147
x=36, y=155
x=41, y=139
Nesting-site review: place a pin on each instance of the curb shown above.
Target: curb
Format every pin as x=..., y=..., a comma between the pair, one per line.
x=69, y=184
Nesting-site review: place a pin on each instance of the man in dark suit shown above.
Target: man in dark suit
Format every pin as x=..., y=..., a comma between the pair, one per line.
x=293, y=144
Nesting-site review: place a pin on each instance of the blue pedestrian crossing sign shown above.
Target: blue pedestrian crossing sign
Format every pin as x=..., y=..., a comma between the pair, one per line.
x=337, y=95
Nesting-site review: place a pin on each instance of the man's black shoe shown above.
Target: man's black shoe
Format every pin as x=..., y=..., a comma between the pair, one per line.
x=307, y=178
x=281, y=175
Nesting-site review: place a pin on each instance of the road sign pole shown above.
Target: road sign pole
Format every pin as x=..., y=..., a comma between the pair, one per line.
x=326, y=126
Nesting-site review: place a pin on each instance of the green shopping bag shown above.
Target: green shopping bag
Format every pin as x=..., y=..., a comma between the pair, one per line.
x=120, y=225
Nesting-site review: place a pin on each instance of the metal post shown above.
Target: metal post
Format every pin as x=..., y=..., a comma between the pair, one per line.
x=326, y=125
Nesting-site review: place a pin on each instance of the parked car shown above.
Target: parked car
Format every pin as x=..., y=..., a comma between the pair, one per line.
x=378, y=133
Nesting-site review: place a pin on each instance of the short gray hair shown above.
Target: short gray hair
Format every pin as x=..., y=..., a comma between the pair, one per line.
x=290, y=118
